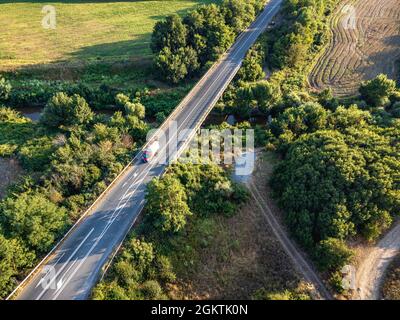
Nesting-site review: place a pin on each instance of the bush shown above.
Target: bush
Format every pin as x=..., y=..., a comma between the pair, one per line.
x=166, y=204
x=34, y=219
x=336, y=282
x=5, y=89
x=151, y=290
x=66, y=110
x=332, y=254
x=13, y=257
x=376, y=92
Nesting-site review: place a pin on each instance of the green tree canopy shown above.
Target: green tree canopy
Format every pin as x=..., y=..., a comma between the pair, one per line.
x=33, y=218
x=336, y=184
x=13, y=256
x=166, y=204
x=332, y=254
x=170, y=33
x=66, y=110
x=376, y=92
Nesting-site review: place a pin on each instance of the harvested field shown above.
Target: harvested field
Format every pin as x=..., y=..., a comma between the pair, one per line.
x=9, y=171
x=365, y=42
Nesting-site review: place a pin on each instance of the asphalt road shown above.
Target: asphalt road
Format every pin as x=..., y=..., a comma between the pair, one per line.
x=75, y=266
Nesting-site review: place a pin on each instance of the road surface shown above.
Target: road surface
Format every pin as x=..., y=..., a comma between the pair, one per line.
x=371, y=272
x=75, y=266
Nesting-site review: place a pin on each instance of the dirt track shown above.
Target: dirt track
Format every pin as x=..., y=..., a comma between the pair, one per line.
x=371, y=272
x=365, y=42
x=261, y=195
x=301, y=264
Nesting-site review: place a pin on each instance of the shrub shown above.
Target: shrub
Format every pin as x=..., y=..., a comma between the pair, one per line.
x=5, y=89
x=33, y=218
x=13, y=257
x=66, y=110
x=336, y=282
x=166, y=204
x=376, y=92
x=151, y=290
x=332, y=254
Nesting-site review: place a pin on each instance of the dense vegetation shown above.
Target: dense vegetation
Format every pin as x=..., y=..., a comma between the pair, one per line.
x=340, y=160
x=180, y=206
x=69, y=156
x=338, y=177
x=184, y=46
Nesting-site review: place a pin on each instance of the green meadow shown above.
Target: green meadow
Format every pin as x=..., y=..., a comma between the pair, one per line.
x=85, y=30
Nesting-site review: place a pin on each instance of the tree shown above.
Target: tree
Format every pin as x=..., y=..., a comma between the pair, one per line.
x=252, y=69
x=66, y=110
x=344, y=118
x=134, y=108
x=376, y=92
x=13, y=257
x=208, y=33
x=170, y=33
x=142, y=253
x=176, y=66
x=34, y=219
x=238, y=14
x=166, y=204
x=296, y=121
x=335, y=184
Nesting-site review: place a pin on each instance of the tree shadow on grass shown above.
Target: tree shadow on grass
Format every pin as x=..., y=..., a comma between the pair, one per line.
x=121, y=58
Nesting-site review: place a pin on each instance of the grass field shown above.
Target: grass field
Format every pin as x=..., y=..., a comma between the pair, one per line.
x=85, y=30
